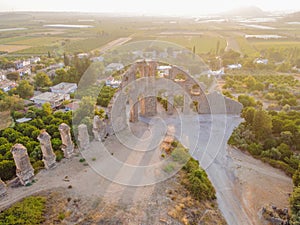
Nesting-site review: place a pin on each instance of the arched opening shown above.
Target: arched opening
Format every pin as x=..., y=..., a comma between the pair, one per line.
x=195, y=90
x=180, y=78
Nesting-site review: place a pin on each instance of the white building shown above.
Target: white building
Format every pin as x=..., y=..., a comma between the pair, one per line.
x=234, y=66
x=64, y=88
x=261, y=61
x=7, y=85
x=55, y=99
x=82, y=55
x=24, y=71
x=112, y=82
x=97, y=59
x=114, y=67
x=35, y=60
x=163, y=70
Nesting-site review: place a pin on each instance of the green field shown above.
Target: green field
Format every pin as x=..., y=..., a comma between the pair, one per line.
x=203, y=44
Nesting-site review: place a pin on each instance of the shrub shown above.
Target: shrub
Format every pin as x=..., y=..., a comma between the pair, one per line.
x=27, y=212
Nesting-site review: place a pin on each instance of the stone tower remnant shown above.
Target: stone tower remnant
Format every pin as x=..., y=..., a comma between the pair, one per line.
x=83, y=137
x=67, y=143
x=24, y=170
x=49, y=158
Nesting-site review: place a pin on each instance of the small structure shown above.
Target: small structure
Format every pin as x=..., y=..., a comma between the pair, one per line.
x=234, y=66
x=97, y=59
x=72, y=106
x=83, y=137
x=261, y=61
x=23, y=71
x=49, y=158
x=67, y=143
x=64, y=88
x=163, y=71
x=35, y=60
x=82, y=55
x=24, y=170
x=99, y=129
x=3, y=188
x=55, y=99
x=23, y=120
x=110, y=81
x=114, y=67
x=7, y=85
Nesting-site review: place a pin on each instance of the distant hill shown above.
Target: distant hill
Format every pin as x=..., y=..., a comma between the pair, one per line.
x=292, y=17
x=250, y=11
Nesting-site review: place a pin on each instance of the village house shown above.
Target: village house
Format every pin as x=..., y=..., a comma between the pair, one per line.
x=114, y=67
x=97, y=59
x=261, y=61
x=163, y=71
x=24, y=71
x=64, y=88
x=55, y=99
x=35, y=60
x=110, y=81
x=7, y=85
x=234, y=66
x=21, y=63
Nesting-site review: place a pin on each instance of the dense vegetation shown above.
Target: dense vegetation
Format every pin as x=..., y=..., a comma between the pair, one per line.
x=26, y=134
x=27, y=212
x=198, y=183
x=278, y=90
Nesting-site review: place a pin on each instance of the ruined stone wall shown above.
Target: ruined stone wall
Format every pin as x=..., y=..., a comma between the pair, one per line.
x=24, y=170
x=49, y=158
x=67, y=143
x=220, y=104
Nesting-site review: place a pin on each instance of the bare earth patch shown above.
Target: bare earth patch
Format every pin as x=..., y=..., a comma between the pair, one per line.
x=13, y=48
x=259, y=184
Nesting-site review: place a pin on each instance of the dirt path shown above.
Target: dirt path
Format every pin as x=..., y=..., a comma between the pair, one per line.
x=260, y=184
x=233, y=45
x=112, y=44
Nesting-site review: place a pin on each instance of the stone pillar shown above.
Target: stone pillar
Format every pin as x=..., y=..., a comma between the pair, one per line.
x=3, y=188
x=49, y=158
x=83, y=137
x=170, y=106
x=99, y=129
x=148, y=106
x=68, y=145
x=134, y=110
x=186, y=104
x=24, y=169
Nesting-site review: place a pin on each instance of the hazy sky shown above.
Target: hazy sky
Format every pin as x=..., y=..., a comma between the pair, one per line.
x=192, y=7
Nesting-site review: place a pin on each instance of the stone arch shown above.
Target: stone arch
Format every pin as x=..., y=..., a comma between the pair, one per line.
x=148, y=104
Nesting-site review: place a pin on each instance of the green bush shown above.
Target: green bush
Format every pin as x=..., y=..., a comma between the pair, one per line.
x=198, y=183
x=27, y=212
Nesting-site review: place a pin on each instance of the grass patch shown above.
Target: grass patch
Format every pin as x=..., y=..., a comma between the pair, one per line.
x=27, y=212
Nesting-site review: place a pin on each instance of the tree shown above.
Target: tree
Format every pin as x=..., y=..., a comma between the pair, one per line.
x=66, y=60
x=86, y=109
x=42, y=80
x=248, y=115
x=295, y=206
x=13, y=76
x=25, y=89
x=7, y=169
x=47, y=109
x=11, y=103
x=247, y=100
x=262, y=124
